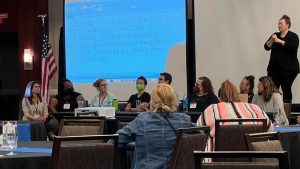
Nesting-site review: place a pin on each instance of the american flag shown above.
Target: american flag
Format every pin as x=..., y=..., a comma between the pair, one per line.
x=48, y=67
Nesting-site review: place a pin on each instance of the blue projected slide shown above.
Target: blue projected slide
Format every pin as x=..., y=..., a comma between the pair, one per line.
x=121, y=39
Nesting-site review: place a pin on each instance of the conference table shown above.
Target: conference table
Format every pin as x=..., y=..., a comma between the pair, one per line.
x=29, y=155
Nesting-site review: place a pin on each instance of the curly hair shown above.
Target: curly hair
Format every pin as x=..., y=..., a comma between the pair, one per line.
x=206, y=84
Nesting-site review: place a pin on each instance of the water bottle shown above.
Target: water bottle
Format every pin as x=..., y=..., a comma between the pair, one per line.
x=185, y=103
x=115, y=104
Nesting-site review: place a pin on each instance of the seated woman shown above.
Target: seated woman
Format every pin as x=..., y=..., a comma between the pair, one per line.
x=230, y=102
x=67, y=99
x=154, y=133
x=203, y=95
x=35, y=108
x=103, y=99
x=247, y=86
x=142, y=97
x=269, y=98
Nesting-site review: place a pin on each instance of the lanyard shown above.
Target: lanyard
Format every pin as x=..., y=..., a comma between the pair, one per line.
x=100, y=103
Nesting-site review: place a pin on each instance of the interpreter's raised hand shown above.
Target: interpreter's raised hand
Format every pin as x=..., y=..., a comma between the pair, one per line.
x=274, y=36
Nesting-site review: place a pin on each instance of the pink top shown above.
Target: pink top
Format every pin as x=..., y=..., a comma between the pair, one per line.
x=226, y=111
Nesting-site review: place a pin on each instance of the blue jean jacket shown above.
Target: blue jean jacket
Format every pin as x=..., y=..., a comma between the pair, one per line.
x=154, y=138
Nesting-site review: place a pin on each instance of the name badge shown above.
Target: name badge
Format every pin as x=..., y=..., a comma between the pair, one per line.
x=67, y=106
x=193, y=105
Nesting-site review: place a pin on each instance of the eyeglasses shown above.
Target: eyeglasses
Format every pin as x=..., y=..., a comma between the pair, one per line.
x=197, y=84
x=105, y=84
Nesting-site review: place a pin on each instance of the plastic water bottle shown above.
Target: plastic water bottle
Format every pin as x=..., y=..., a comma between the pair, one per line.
x=185, y=103
x=115, y=104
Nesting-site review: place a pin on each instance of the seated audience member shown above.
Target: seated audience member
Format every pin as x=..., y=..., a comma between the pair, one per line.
x=142, y=96
x=230, y=102
x=247, y=86
x=203, y=95
x=165, y=78
x=35, y=108
x=67, y=100
x=298, y=119
x=154, y=133
x=269, y=98
x=104, y=98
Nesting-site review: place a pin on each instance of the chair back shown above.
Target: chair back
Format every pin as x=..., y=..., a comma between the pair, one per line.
x=259, y=137
x=188, y=140
x=263, y=142
x=122, y=105
x=281, y=156
x=78, y=126
x=124, y=120
x=90, y=152
x=229, y=133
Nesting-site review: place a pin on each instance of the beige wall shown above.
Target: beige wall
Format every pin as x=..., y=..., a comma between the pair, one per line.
x=230, y=36
x=55, y=12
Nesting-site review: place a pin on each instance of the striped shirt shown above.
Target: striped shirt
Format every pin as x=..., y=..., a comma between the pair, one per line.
x=226, y=111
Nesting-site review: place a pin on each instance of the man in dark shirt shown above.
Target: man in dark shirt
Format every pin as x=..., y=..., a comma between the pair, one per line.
x=140, y=101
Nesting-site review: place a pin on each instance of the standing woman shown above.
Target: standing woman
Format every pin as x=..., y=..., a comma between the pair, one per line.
x=35, y=108
x=269, y=99
x=283, y=65
x=103, y=99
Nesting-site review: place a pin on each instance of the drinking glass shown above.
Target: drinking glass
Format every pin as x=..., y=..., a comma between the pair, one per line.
x=276, y=117
x=80, y=104
x=11, y=138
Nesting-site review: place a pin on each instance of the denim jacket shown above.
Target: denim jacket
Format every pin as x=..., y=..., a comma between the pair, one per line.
x=154, y=138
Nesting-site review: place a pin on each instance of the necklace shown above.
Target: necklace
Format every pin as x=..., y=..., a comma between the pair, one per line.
x=36, y=106
x=101, y=102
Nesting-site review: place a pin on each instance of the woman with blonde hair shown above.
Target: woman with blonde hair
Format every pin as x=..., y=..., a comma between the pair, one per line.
x=230, y=107
x=154, y=133
x=269, y=98
x=104, y=98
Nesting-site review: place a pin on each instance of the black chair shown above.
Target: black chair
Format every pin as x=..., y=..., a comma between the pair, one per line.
x=259, y=137
x=78, y=152
x=188, y=140
x=82, y=125
x=280, y=155
x=229, y=133
x=263, y=142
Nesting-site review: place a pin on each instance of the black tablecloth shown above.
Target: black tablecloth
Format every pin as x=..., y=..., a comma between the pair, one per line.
x=291, y=143
x=27, y=160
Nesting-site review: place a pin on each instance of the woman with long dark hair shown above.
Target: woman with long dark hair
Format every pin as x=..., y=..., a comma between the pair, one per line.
x=35, y=108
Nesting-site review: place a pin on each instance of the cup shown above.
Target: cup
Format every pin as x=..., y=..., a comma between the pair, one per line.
x=80, y=104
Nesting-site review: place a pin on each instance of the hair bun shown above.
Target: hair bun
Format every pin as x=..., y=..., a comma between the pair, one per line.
x=165, y=108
